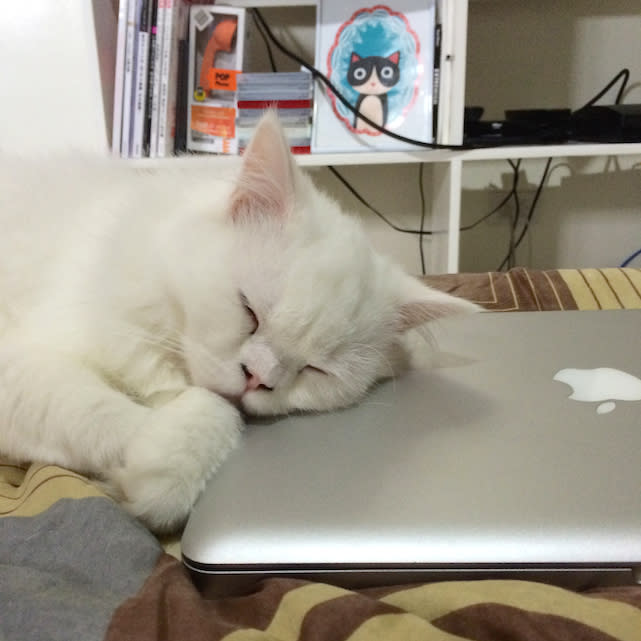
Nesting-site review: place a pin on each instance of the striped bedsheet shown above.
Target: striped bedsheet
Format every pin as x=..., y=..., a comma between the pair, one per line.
x=523, y=289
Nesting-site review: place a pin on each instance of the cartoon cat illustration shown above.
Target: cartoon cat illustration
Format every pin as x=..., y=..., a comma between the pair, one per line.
x=372, y=77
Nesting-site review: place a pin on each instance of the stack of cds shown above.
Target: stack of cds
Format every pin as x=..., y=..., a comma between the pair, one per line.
x=290, y=94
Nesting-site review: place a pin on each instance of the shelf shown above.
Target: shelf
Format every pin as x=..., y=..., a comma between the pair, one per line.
x=585, y=150
x=485, y=153
x=546, y=151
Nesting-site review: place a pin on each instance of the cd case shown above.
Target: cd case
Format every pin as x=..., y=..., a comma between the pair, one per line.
x=381, y=59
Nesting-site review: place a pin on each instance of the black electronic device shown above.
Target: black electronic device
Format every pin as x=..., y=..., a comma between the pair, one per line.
x=520, y=127
x=607, y=123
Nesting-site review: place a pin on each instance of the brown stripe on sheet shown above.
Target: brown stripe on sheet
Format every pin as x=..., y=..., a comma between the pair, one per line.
x=435, y=600
x=398, y=627
x=340, y=617
x=490, y=290
x=519, y=289
x=564, y=297
x=629, y=594
x=295, y=605
x=492, y=621
x=169, y=607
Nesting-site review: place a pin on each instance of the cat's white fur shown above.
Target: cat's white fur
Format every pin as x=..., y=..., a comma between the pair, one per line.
x=128, y=308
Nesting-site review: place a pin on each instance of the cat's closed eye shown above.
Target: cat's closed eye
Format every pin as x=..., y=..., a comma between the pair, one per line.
x=250, y=313
x=312, y=368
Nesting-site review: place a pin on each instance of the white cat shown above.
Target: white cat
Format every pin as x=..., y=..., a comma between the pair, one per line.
x=140, y=310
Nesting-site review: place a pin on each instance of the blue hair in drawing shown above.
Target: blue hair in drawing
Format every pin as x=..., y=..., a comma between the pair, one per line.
x=374, y=62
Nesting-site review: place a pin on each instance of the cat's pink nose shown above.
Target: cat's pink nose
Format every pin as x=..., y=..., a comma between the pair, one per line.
x=253, y=381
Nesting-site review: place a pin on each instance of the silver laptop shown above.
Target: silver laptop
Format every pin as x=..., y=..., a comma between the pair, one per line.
x=517, y=454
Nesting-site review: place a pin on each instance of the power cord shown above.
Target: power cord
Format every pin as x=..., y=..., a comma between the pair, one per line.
x=630, y=258
x=510, y=257
x=327, y=82
x=259, y=28
x=421, y=232
x=421, y=191
x=624, y=75
x=509, y=260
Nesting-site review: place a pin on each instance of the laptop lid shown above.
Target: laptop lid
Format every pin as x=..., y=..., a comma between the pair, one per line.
x=480, y=465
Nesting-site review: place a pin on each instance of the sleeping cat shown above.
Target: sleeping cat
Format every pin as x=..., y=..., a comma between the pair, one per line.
x=372, y=77
x=143, y=312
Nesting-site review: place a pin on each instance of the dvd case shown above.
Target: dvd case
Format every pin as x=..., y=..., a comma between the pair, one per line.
x=380, y=59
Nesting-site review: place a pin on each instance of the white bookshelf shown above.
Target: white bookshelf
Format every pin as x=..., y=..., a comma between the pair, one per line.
x=448, y=165
x=85, y=70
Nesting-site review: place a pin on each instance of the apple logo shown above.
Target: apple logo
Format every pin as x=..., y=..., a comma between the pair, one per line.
x=601, y=384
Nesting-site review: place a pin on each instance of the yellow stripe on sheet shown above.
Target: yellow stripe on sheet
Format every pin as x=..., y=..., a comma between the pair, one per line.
x=32, y=491
x=622, y=282
x=400, y=627
x=620, y=620
x=601, y=288
x=292, y=610
x=250, y=634
x=580, y=289
x=634, y=276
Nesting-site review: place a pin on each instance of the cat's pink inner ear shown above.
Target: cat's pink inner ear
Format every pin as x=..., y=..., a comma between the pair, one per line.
x=265, y=187
x=395, y=57
x=355, y=57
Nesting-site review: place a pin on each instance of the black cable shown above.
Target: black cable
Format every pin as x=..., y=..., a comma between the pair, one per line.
x=625, y=75
x=530, y=214
x=270, y=54
x=421, y=191
x=516, y=166
x=317, y=75
x=491, y=213
x=327, y=82
x=537, y=195
x=378, y=213
x=424, y=232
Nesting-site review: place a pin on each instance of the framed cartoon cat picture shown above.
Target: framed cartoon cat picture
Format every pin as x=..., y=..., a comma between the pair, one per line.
x=380, y=57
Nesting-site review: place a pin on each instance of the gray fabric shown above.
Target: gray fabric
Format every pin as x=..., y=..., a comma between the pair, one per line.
x=65, y=571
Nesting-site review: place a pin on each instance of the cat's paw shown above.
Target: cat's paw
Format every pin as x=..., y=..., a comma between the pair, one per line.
x=173, y=454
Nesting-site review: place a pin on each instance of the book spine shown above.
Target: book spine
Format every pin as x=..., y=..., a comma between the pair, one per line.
x=167, y=106
x=130, y=61
x=153, y=18
x=180, y=141
x=119, y=77
x=436, y=83
x=155, y=104
x=140, y=99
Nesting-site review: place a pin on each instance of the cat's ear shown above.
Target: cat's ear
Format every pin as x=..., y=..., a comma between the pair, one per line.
x=421, y=304
x=355, y=57
x=395, y=57
x=265, y=187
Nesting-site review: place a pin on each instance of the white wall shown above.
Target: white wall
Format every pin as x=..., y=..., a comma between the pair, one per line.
x=57, y=93
x=52, y=89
